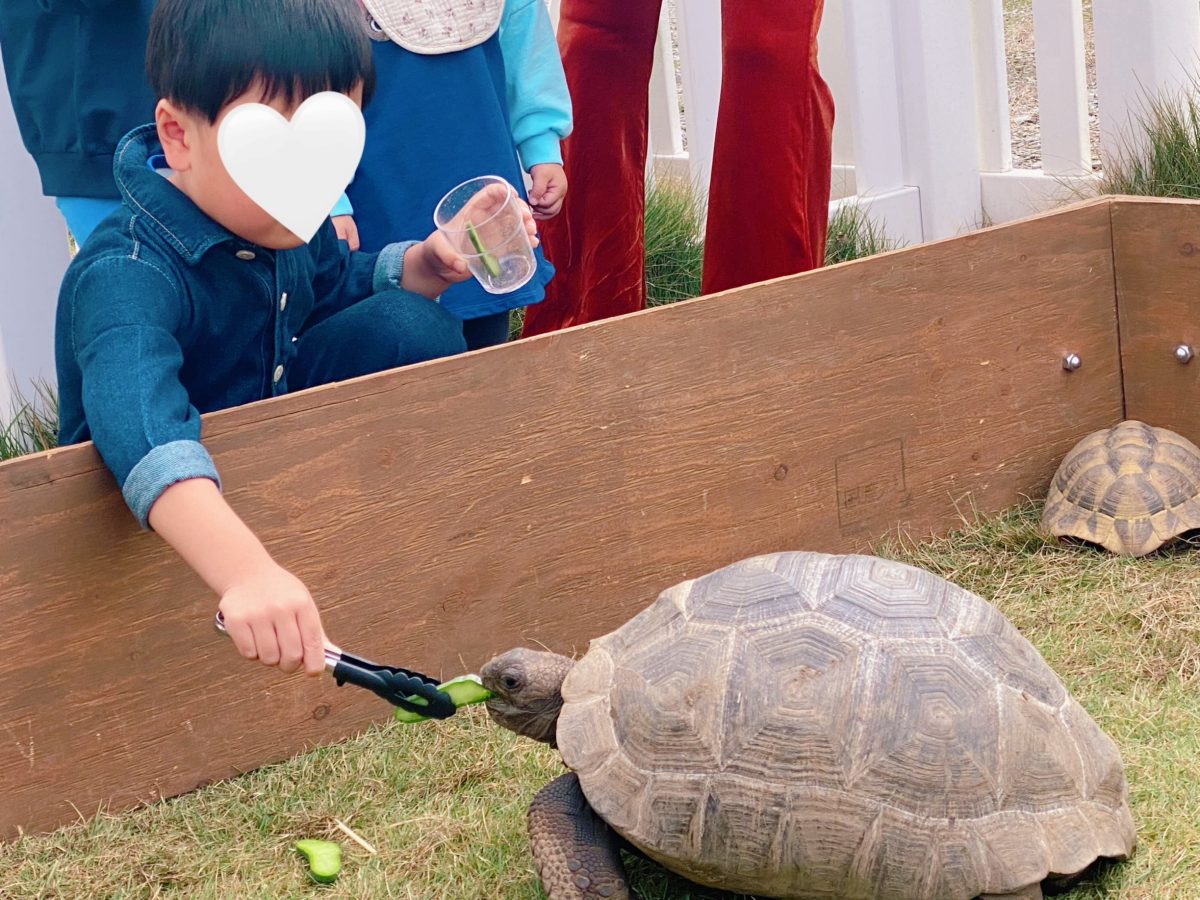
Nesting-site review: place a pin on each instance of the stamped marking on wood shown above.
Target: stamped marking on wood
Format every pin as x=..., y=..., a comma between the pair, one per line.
x=870, y=485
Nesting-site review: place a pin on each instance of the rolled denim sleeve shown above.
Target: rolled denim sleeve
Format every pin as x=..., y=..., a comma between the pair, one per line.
x=124, y=315
x=389, y=268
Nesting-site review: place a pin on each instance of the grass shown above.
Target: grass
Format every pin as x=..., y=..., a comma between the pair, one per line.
x=445, y=805
x=34, y=426
x=854, y=235
x=1167, y=164
x=675, y=212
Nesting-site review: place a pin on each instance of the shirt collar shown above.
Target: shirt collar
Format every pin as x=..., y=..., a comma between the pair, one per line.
x=166, y=209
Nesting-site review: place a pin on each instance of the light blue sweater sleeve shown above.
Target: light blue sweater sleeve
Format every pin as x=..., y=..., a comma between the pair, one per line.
x=538, y=102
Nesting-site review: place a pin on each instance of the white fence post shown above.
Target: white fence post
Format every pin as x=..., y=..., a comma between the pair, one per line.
x=1143, y=50
x=874, y=105
x=666, y=136
x=936, y=71
x=836, y=69
x=700, y=60
x=991, y=86
x=1062, y=87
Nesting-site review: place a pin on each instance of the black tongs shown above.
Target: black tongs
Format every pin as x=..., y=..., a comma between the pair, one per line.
x=399, y=687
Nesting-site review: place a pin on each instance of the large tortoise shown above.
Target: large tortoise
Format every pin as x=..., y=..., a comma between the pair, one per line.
x=1130, y=489
x=804, y=725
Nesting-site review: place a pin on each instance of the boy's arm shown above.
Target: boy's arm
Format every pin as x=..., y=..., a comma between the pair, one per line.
x=268, y=612
x=539, y=104
x=122, y=318
x=343, y=278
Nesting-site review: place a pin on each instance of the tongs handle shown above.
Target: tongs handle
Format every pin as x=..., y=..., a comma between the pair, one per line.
x=395, y=685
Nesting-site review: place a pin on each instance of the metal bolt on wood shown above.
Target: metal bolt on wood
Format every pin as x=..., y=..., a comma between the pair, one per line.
x=1184, y=354
x=1072, y=362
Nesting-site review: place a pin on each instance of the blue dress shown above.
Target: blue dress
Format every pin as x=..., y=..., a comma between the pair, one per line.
x=436, y=121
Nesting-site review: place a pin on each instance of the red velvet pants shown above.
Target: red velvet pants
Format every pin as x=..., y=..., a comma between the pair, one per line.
x=769, y=196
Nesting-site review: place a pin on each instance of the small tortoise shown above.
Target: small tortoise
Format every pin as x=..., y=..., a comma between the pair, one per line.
x=1129, y=489
x=803, y=725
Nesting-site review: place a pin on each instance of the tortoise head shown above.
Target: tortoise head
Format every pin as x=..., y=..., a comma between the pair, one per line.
x=528, y=691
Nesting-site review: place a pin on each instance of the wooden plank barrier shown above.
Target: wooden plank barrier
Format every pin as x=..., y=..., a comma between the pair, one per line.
x=1156, y=246
x=542, y=492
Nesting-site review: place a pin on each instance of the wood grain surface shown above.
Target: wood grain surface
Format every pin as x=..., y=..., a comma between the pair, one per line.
x=1156, y=245
x=542, y=492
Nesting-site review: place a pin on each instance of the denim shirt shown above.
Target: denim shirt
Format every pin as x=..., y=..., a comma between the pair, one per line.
x=166, y=315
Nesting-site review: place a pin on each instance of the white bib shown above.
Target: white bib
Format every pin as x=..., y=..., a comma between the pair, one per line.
x=432, y=27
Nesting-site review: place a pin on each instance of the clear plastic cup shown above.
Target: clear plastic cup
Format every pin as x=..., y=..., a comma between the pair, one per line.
x=482, y=220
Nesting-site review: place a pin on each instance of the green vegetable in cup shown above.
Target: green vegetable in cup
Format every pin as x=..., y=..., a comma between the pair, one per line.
x=324, y=859
x=489, y=262
x=464, y=690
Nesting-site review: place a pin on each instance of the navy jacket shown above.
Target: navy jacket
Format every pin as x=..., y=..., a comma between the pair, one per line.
x=165, y=315
x=76, y=72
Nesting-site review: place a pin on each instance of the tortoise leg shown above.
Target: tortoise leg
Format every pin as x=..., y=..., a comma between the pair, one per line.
x=576, y=853
x=1033, y=892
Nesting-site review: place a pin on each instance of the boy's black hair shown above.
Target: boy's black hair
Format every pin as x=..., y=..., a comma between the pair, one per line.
x=204, y=53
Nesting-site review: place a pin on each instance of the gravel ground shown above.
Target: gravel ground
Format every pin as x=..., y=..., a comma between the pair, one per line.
x=1022, y=81
x=1022, y=84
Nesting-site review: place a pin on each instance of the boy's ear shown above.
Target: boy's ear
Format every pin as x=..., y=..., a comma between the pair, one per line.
x=174, y=133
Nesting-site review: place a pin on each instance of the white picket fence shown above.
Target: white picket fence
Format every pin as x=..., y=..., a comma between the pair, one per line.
x=922, y=140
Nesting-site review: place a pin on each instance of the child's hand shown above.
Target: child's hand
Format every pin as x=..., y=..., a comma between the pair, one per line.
x=272, y=618
x=527, y=219
x=347, y=231
x=490, y=200
x=548, y=191
x=432, y=266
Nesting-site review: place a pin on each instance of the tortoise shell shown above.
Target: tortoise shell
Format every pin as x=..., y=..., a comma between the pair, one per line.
x=1129, y=489
x=804, y=725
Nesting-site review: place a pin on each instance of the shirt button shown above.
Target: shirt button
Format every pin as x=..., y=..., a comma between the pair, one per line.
x=246, y=255
x=278, y=374
x=283, y=302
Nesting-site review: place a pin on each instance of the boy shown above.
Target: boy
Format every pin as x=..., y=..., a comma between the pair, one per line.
x=191, y=298
x=76, y=74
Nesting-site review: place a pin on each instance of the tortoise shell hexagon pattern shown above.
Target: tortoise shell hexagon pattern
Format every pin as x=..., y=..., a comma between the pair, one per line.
x=810, y=725
x=1130, y=489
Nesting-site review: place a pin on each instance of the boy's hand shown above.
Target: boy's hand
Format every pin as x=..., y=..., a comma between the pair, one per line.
x=272, y=618
x=548, y=191
x=433, y=265
x=347, y=231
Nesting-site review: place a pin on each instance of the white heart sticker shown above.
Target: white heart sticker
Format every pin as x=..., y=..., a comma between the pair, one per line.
x=296, y=171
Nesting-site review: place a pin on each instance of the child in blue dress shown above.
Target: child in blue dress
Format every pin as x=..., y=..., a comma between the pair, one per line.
x=468, y=88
